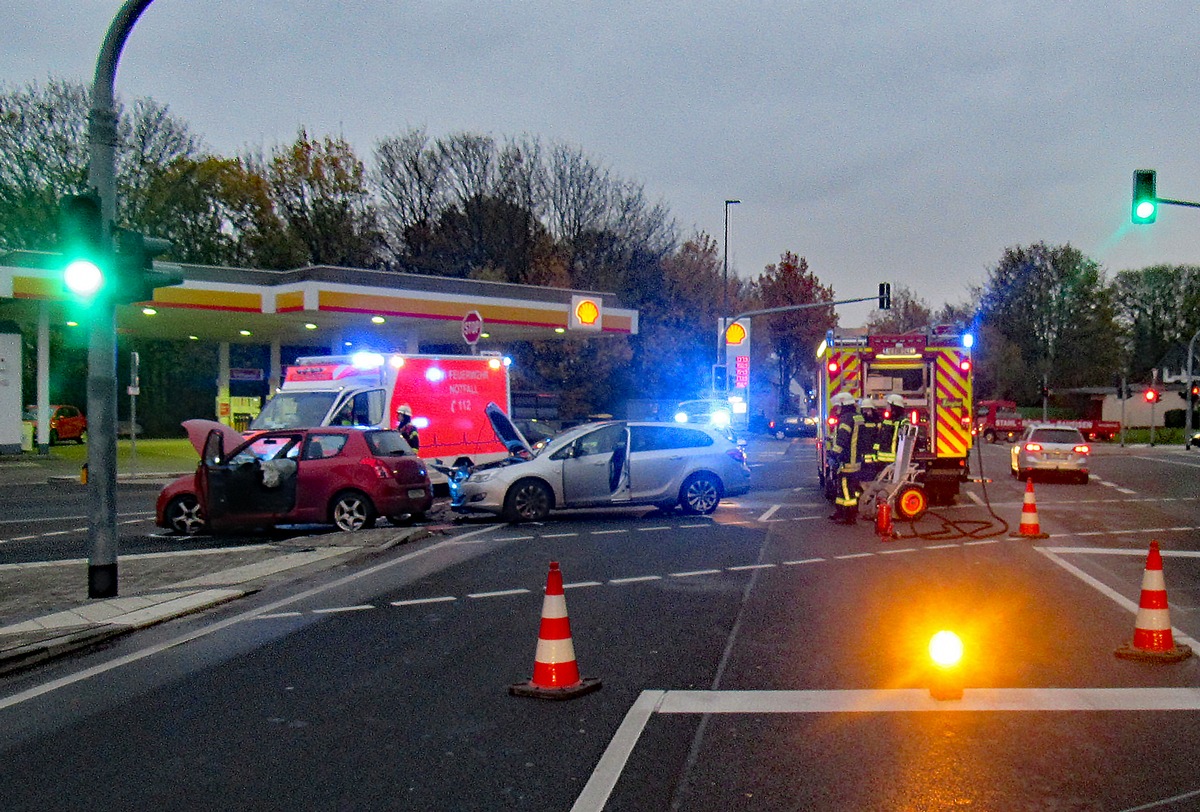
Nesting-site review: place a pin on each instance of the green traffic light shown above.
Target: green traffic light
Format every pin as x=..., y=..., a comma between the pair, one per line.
x=1145, y=198
x=83, y=277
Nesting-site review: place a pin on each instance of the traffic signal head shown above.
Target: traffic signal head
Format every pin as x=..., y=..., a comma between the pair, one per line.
x=135, y=277
x=1151, y=396
x=1145, y=200
x=885, y=295
x=81, y=242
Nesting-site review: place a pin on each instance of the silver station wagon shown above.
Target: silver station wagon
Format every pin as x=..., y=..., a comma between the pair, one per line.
x=612, y=463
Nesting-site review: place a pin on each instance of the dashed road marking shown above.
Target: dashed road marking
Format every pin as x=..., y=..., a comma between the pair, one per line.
x=803, y=561
x=559, y=535
x=275, y=615
x=853, y=555
x=500, y=593
x=336, y=609
x=746, y=567
x=657, y=527
x=608, y=532
x=694, y=573
x=420, y=601
x=635, y=579
x=581, y=584
x=895, y=550
x=768, y=513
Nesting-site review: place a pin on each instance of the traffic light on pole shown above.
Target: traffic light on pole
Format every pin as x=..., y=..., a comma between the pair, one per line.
x=1145, y=200
x=135, y=277
x=1152, y=396
x=86, y=260
x=885, y=295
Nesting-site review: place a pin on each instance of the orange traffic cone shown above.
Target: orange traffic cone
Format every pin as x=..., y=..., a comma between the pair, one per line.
x=1029, y=529
x=1152, y=638
x=883, y=521
x=555, y=672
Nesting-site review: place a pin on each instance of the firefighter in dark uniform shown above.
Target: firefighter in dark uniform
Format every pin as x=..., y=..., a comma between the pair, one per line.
x=889, y=429
x=846, y=451
x=869, y=439
x=405, y=426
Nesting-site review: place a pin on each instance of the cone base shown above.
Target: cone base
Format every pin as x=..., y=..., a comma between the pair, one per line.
x=1029, y=535
x=584, y=686
x=1176, y=653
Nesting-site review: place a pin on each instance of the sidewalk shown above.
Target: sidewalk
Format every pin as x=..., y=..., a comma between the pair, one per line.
x=45, y=611
x=44, y=608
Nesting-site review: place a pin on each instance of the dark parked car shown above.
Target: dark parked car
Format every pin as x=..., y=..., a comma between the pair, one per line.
x=793, y=425
x=66, y=422
x=345, y=476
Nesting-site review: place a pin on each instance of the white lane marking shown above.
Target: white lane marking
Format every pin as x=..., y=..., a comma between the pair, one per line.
x=333, y=610
x=898, y=550
x=513, y=538
x=278, y=615
x=1130, y=531
x=608, y=532
x=499, y=593
x=657, y=527
x=981, y=541
x=1112, y=551
x=608, y=770
x=60, y=533
x=802, y=561
x=853, y=555
x=910, y=700
x=635, y=579
x=941, y=546
x=768, y=513
x=559, y=535
x=600, y=785
x=1108, y=591
x=745, y=567
x=87, y=673
x=421, y=601
x=581, y=584
x=693, y=573
x=976, y=498
x=699, y=524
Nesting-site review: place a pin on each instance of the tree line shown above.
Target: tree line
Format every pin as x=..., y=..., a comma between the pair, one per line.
x=525, y=211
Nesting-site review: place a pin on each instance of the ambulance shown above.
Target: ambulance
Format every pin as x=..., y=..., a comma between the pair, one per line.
x=932, y=371
x=449, y=395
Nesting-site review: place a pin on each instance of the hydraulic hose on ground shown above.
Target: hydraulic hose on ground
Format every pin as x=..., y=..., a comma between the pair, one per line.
x=962, y=528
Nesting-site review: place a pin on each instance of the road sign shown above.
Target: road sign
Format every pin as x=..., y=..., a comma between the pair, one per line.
x=472, y=327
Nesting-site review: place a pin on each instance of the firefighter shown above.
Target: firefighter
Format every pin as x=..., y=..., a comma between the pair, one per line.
x=846, y=451
x=405, y=426
x=889, y=429
x=869, y=439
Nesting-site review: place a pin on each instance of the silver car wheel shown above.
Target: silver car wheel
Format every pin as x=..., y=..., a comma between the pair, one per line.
x=353, y=511
x=184, y=515
x=700, y=494
x=527, y=501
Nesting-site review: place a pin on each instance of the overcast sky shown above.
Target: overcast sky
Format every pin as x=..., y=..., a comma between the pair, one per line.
x=901, y=142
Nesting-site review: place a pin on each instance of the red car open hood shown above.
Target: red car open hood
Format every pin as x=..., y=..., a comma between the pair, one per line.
x=198, y=430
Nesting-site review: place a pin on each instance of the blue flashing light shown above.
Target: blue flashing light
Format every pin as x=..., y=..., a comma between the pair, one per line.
x=421, y=422
x=681, y=417
x=435, y=374
x=366, y=360
x=968, y=340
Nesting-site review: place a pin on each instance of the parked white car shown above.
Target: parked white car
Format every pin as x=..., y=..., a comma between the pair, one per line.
x=1044, y=448
x=612, y=463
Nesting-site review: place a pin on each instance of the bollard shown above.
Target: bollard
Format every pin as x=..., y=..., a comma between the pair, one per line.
x=83, y=474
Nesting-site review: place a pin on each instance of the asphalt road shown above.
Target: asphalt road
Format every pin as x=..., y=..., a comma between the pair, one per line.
x=761, y=658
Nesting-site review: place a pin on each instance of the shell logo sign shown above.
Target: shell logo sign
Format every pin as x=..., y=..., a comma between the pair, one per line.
x=735, y=334
x=585, y=314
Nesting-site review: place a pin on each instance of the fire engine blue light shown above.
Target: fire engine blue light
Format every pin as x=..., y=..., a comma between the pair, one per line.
x=434, y=374
x=507, y=361
x=968, y=340
x=366, y=360
x=421, y=422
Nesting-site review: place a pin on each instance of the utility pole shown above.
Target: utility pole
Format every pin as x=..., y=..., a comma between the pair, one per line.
x=102, y=341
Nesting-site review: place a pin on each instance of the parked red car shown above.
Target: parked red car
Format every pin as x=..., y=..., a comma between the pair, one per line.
x=345, y=476
x=66, y=422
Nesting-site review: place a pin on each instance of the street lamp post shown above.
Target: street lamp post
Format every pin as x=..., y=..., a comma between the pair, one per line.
x=724, y=298
x=1187, y=432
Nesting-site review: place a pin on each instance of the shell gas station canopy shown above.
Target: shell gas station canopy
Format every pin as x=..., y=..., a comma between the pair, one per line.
x=319, y=306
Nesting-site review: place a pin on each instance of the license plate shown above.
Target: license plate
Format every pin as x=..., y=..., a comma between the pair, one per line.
x=416, y=493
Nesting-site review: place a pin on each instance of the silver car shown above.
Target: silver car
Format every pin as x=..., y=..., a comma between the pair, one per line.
x=1051, y=448
x=612, y=463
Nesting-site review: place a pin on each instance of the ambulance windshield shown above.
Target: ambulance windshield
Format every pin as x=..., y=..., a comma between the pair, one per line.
x=294, y=410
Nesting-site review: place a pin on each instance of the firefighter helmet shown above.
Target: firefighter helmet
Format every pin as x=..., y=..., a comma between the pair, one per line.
x=894, y=399
x=842, y=399
x=404, y=409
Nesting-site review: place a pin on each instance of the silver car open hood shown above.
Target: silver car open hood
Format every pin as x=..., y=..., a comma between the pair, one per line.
x=506, y=432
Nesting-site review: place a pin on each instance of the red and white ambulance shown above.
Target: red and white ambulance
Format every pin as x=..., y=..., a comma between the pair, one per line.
x=448, y=395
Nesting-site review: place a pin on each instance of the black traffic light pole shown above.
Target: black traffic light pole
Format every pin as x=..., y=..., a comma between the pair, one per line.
x=102, y=341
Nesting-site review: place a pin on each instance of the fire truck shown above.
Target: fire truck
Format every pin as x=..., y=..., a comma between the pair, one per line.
x=997, y=420
x=932, y=371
